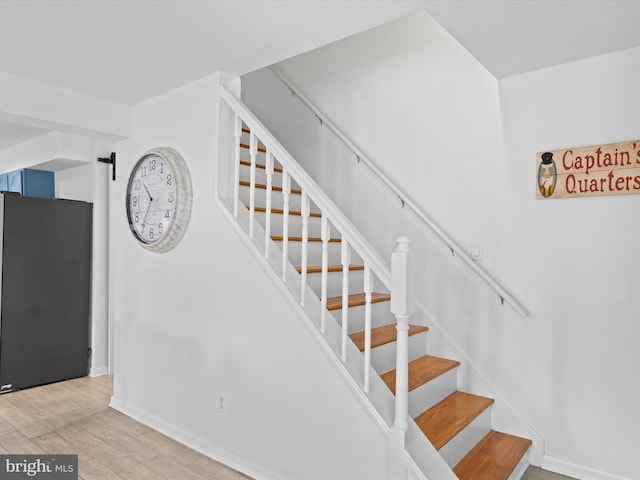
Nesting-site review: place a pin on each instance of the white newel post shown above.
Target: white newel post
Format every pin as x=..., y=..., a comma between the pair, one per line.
x=402, y=304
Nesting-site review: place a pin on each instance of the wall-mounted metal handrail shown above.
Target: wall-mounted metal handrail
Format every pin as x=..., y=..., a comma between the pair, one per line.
x=503, y=294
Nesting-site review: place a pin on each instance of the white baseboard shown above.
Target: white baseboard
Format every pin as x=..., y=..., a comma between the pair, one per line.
x=98, y=371
x=581, y=472
x=230, y=459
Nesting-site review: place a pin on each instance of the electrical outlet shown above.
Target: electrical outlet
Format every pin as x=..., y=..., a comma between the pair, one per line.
x=477, y=250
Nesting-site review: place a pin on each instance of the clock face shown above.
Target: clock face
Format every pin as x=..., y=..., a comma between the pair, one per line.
x=159, y=199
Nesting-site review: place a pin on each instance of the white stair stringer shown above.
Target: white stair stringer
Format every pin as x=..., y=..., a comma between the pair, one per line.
x=379, y=403
x=422, y=452
x=420, y=399
x=504, y=416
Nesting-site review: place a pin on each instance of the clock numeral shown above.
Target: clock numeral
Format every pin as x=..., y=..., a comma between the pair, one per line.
x=153, y=164
x=136, y=185
x=169, y=179
x=137, y=217
x=161, y=167
x=143, y=171
x=134, y=201
x=170, y=198
x=160, y=229
x=167, y=215
x=151, y=234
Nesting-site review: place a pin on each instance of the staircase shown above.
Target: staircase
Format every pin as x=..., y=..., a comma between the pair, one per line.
x=458, y=424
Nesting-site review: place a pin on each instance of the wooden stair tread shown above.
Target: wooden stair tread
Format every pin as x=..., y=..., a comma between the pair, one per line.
x=495, y=457
x=383, y=335
x=356, y=300
x=275, y=188
x=421, y=371
x=281, y=212
x=330, y=268
x=279, y=238
x=446, y=419
x=259, y=165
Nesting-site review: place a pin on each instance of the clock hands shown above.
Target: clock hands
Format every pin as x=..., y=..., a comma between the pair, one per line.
x=150, y=197
x=144, y=219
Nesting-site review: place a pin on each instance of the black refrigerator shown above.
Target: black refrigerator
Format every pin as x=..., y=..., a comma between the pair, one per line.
x=45, y=290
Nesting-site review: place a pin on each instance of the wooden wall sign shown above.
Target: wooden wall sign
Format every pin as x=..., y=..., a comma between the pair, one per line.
x=612, y=169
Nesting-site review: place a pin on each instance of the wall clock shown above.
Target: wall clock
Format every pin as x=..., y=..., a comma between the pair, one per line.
x=159, y=197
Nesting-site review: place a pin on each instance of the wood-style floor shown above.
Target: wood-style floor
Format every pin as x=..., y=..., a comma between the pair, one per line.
x=73, y=417
x=535, y=473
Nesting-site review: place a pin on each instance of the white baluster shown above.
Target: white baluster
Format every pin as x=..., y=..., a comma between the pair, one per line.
x=345, y=258
x=286, y=192
x=402, y=304
x=325, y=234
x=368, y=290
x=269, y=171
x=236, y=171
x=253, y=151
x=305, y=247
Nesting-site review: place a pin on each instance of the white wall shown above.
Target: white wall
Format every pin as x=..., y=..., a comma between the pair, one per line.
x=463, y=146
x=90, y=183
x=204, y=322
x=582, y=262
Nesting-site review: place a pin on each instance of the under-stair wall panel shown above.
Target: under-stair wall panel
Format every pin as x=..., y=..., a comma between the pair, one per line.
x=208, y=349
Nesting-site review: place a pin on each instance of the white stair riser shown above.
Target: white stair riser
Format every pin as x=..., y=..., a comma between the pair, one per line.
x=295, y=224
x=455, y=450
x=380, y=315
x=334, y=282
x=261, y=175
x=277, y=198
x=521, y=468
x=383, y=358
x=314, y=253
x=427, y=395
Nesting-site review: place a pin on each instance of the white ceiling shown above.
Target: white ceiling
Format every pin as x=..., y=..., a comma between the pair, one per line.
x=512, y=37
x=12, y=134
x=129, y=50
